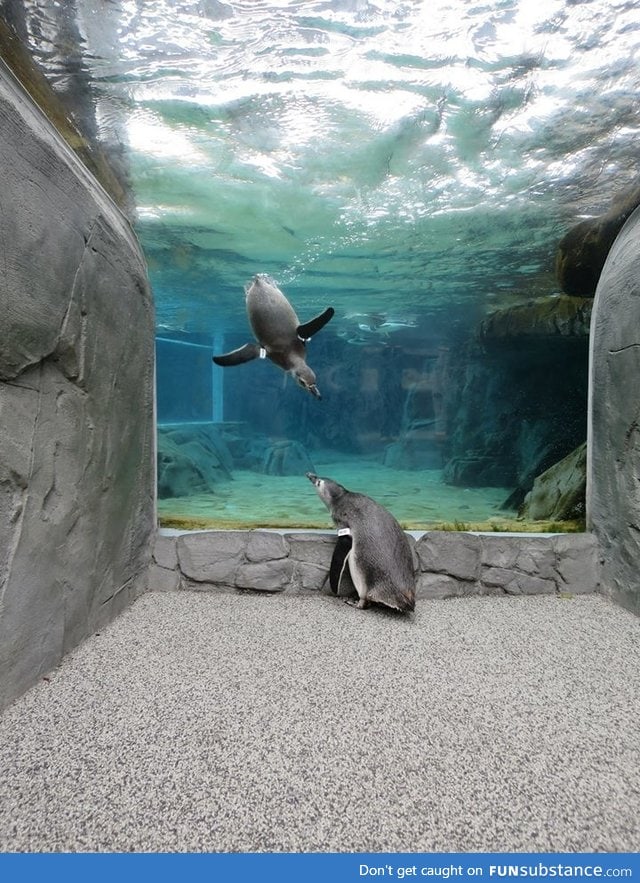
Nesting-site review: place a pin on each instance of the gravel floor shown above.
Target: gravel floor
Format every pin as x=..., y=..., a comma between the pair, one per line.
x=245, y=722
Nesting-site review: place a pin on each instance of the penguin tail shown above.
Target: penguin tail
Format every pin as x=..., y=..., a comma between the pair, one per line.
x=406, y=603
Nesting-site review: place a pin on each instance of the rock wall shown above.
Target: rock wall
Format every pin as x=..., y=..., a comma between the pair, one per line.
x=448, y=564
x=613, y=466
x=193, y=458
x=76, y=399
x=583, y=251
x=559, y=493
x=196, y=458
x=516, y=398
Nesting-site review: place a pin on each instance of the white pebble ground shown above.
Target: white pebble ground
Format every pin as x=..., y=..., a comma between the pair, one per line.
x=249, y=723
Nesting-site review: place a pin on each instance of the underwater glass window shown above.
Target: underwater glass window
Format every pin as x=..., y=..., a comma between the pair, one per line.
x=446, y=176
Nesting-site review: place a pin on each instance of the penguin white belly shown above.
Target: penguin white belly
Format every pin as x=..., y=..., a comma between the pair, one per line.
x=357, y=574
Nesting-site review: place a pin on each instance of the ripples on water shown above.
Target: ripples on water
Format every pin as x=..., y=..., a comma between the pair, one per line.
x=423, y=146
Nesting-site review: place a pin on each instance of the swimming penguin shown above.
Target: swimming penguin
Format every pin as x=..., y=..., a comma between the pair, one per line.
x=379, y=555
x=278, y=331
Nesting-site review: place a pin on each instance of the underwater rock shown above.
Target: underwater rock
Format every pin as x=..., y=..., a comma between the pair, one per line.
x=287, y=458
x=558, y=494
x=422, y=427
x=583, y=251
x=539, y=445
x=246, y=447
x=418, y=404
x=474, y=471
x=543, y=317
x=416, y=448
x=192, y=459
x=516, y=397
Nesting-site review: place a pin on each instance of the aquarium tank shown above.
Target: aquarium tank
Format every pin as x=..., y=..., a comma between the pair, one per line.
x=417, y=166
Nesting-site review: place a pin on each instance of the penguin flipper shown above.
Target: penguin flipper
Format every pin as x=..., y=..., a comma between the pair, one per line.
x=306, y=331
x=236, y=357
x=340, y=554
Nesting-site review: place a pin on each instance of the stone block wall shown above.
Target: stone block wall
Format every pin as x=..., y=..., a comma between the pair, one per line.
x=76, y=400
x=448, y=564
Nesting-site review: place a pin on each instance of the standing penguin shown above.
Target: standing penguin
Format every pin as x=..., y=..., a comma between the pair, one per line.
x=279, y=333
x=379, y=555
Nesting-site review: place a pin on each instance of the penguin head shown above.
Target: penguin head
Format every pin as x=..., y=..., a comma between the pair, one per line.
x=305, y=378
x=329, y=491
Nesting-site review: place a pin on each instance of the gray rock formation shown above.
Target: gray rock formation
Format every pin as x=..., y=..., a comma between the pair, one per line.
x=423, y=425
x=516, y=399
x=287, y=458
x=559, y=493
x=76, y=399
x=613, y=471
x=247, y=447
x=582, y=252
x=192, y=459
x=547, y=318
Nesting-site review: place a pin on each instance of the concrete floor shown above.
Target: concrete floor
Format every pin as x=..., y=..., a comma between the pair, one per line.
x=242, y=722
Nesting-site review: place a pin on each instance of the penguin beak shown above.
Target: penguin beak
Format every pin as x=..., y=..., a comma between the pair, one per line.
x=303, y=382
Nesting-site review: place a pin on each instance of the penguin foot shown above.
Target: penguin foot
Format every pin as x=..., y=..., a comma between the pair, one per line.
x=360, y=604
